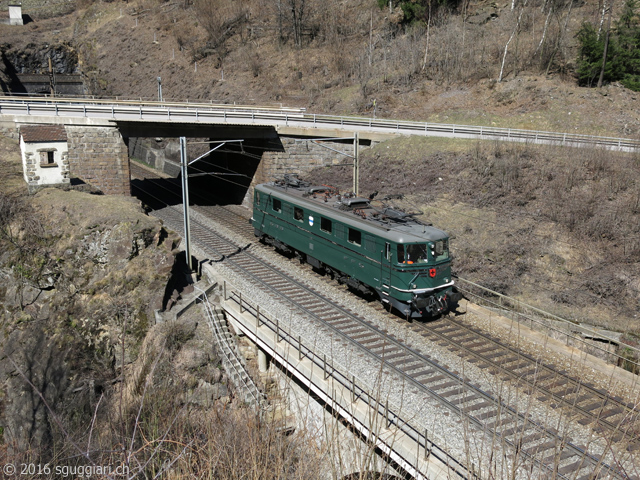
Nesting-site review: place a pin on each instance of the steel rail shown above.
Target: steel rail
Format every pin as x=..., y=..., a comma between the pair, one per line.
x=519, y=308
x=519, y=419
x=235, y=265
x=607, y=401
x=115, y=111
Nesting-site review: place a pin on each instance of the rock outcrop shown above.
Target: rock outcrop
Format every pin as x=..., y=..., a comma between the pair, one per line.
x=81, y=277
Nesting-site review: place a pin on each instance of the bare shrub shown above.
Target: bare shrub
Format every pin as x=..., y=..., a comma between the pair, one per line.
x=252, y=58
x=221, y=19
x=146, y=424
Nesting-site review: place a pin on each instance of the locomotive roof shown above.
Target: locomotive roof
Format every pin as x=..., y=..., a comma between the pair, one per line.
x=372, y=216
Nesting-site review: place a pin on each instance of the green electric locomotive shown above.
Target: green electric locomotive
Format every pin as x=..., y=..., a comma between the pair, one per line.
x=371, y=249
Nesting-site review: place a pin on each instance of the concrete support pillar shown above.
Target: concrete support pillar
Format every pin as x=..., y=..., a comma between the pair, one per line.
x=263, y=362
x=99, y=156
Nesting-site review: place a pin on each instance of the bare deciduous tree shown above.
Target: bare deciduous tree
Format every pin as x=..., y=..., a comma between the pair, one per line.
x=221, y=19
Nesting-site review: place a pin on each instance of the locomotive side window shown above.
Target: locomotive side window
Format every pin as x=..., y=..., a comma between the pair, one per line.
x=355, y=236
x=387, y=251
x=325, y=225
x=257, y=198
x=400, y=253
x=297, y=213
x=440, y=249
x=277, y=205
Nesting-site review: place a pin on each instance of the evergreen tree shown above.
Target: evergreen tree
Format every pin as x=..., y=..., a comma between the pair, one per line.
x=590, y=55
x=623, y=53
x=628, y=36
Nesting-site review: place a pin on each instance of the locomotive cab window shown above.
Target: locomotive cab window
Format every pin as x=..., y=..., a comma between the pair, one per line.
x=410, y=254
x=297, y=213
x=417, y=253
x=277, y=205
x=355, y=236
x=325, y=225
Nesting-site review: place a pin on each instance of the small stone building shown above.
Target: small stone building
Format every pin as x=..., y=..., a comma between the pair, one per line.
x=44, y=155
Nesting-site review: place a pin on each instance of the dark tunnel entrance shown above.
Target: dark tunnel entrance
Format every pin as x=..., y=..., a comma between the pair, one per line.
x=221, y=177
x=226, y=173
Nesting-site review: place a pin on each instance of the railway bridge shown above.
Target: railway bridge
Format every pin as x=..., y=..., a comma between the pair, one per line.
x=275, y=139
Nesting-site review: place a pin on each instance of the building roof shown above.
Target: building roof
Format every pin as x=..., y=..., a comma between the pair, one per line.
x=43, y=133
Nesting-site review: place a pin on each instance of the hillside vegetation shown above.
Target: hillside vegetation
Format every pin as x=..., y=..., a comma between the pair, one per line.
x=511, y=64
x=558, y=227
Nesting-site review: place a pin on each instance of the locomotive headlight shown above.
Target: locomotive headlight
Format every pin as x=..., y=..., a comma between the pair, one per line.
x=446, y=280
x=413, y=285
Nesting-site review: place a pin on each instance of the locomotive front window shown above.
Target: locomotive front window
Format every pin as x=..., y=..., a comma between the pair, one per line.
x=277, y=205
x=325, y=225
x=258, y=198
x=297, y=213
x=355, y=236
x=417, y=253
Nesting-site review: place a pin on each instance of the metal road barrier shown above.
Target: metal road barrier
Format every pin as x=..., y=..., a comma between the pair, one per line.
x=203, y=113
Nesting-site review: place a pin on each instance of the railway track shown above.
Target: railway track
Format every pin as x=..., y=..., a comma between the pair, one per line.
x=610, y=416
x=542, y=447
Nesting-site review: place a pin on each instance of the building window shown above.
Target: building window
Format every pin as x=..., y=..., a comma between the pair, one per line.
x=47, y=159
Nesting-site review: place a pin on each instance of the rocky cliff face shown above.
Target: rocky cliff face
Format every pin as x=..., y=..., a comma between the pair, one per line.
x=34, y=59
x=81, y=277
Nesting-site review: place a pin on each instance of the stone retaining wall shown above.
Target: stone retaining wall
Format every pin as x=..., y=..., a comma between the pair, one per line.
x=302, y=155
x=99, y=156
